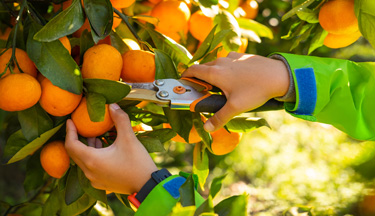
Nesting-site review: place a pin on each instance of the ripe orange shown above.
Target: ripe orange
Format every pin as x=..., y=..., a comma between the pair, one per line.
x=85, y=126
x=193, y=135
x=338, y=41
x=102, y=62
x=250, y=7
x=25, y=63
x=19, y=92
x=173, y=16
x=241, y=49
x=56, y=101
x=139, y=66
x=200, y=25
x=5, y=34
x=338, y=17
x=54, y=159
x=224, y=142
x=66, y=43
x=122, y=3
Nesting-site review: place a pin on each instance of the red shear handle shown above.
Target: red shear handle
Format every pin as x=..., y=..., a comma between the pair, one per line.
x=213, y=103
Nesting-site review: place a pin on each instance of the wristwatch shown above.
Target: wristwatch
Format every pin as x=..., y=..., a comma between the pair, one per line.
x=156, y=177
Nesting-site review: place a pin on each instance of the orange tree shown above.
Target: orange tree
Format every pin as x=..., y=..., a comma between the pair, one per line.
x=36, y=28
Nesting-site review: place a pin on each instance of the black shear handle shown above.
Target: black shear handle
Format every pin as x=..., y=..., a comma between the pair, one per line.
x=213, y=103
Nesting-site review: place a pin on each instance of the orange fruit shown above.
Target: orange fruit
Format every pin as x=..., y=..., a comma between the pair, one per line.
x=338, y=41
x=102, y=62
x=57, y=101
x=200, y=25
x=122, y=3
x=25, y=63
x=242, y=49
x=139, y=66
x=85, y=126
x=173, y=16
x=224, y=142
x=54, y=159
x=5, y=34
x=193, y=135
x=250, y=7
x=367, y=205
x=66, y=43
x=155, y=1
x=338, y=17
x=19, y=92
x=116, y=20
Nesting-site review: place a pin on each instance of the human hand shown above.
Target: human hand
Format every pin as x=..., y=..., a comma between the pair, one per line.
x=248, y=81
x=123, y=167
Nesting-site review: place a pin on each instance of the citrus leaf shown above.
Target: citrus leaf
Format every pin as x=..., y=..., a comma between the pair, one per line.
x=89, y=189
x=204, y=47
x=149, y=19
x=53, y=204
x=245, y=124
x=54, y=62
x=366, y=19
x=198, y=124
x=187, y=192
x=180, y=121
x=73, y=190
x=294, y=10
x=78, y=207
x=146, y=117
x=308, y=15
x=226, y=21
x=206, y=207
x=164, y=66
x=100, y=15
x=177, y=54
x=34, y=173
x=318, y=39
x=151, y=144
x=260, y=29
x=24, y=149
x=216, y=185
x=118, y=43
x=211, y=56
x=85, y=43
x=15, y=142
x=200, y=164
x=112, y=91
x=65, y=23
x=232, y=206
x=96, y=107
x=163, y=135
x=208, y=3
x=179, y=210
x=34, y=121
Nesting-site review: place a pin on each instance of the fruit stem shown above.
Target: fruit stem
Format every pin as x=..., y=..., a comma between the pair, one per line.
x=126, y=20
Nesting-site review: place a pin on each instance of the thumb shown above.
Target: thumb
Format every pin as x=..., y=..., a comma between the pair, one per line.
x=122, y=121
x=220, y=118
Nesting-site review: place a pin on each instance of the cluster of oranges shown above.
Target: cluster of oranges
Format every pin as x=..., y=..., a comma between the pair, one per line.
x=337, y=17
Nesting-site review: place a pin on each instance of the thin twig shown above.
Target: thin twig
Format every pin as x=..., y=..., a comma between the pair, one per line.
x=126, y=20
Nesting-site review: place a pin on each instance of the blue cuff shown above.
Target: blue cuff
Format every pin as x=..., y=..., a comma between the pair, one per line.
x=173, y=186
x=306, y=91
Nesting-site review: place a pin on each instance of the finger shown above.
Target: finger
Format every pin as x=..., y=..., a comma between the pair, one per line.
x=220, y=118
x=91, y=141
x=203, y=72
x=98, y=143
x=122, y=122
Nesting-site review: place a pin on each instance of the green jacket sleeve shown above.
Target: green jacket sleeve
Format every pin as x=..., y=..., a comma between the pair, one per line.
x=161, y=200
x=334, y=91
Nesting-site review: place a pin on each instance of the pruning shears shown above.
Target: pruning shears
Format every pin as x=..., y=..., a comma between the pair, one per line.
x=187, y=94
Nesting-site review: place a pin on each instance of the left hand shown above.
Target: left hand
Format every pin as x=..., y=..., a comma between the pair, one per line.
x=124, y=167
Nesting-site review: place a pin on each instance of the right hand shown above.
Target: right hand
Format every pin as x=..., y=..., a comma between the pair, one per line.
x=248, y=81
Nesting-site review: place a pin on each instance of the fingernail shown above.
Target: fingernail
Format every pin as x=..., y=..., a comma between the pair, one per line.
x=208, y=126
x=114, y=106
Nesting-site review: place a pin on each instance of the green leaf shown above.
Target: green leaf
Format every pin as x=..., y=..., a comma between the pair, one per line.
x=96, y=107
x=85, y=42
x=260, y=29
x=34, y=121
x=146, y=117
x=124, y=200
x=19, y=144
x=113, y=91
x=211, y=56
x=15, y=142
x=208, y=44
x=177, y=54
x=308, y=15
x=53, y=204
x=200, y=164
x=206, y=207
x=73, y=190
x=100, y=15
x=366, y=19
x=54, y=62
x=246, y=124
x=187, y=192
x=208, y=3
x=179, y=210
x=232, y=206
x=206, y=136
x=216, y=185
x=318, y=39
x=164, y=66
x=303, y=35
x=118, y=43
x=78, y=207
x=34, y=173
x=180, y=121
x=226, y=20
x=89, y=189
x=153, y=140
x=163, y=135
x=65, y=23
x=294, y=10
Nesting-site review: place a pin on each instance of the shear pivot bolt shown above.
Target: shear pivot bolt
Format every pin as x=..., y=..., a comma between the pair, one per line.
x=163, y=94
x=159, y=82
